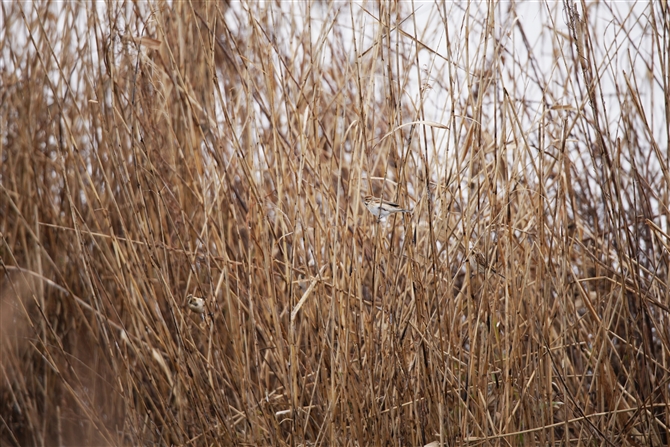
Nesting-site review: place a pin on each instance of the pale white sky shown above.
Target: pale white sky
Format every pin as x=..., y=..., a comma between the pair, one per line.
x=626, y=48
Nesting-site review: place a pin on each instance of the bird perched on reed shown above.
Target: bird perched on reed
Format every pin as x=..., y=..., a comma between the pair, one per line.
x=381, y=208
x=480, y=264
x=196, y=304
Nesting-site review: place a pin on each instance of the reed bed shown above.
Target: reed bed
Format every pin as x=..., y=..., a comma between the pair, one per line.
x=154, y=150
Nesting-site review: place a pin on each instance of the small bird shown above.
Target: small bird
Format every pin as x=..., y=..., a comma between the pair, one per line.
x=479, y=263
x=196, y=304
x=381, y=208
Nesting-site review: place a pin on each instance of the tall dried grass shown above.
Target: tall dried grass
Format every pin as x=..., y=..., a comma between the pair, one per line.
x=152, y=150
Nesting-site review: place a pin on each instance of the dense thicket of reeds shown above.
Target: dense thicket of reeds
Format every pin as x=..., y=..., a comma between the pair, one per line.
x=154, y=150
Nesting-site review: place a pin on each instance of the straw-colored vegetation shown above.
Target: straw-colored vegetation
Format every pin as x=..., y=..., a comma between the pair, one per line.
x=152, y=150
